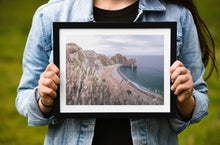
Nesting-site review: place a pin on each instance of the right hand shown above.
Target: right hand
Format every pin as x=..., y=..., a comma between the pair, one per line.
x=47, y=86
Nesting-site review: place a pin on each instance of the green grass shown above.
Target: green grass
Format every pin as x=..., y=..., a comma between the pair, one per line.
x=15, y=22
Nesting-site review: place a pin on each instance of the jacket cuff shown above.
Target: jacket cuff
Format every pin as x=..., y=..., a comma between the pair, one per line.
x=201, y=106
x=199, y=112
x=35, y=116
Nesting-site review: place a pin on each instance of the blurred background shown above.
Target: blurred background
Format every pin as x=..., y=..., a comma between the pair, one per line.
x=15, y=23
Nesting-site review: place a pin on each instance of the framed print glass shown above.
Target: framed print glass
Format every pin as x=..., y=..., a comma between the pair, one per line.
x=114, y=69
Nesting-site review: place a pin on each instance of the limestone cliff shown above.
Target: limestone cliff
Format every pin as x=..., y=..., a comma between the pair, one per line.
x=84, y=69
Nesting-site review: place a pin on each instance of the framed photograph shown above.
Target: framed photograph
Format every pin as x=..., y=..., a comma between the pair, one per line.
x=114, y=69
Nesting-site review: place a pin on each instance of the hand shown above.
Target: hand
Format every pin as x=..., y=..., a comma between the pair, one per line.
x=47, y=86
x=183, y=88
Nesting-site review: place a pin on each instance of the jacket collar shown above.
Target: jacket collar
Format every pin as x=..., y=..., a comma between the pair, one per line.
x=86, y=14
x=151, y=5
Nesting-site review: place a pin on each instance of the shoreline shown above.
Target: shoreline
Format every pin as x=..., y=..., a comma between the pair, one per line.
x=138, y=87
x=116, y=81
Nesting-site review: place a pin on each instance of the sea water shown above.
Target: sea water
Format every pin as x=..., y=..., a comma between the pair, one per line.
x=149, y=73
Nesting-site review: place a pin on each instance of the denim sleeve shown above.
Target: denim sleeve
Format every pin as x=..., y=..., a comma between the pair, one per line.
x=35, y=60
x=190, y=56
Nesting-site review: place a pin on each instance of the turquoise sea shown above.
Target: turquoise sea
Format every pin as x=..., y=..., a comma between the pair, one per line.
x=149, y=73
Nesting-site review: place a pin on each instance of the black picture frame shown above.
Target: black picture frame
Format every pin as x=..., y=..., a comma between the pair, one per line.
x=64, y=30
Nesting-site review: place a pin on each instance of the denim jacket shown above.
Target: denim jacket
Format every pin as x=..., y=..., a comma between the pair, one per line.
x=39, y=53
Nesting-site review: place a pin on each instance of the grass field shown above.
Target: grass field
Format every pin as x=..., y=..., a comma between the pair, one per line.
x=15, y=22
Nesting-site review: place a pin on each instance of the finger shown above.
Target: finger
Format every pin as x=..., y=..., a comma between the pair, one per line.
x=184, y=87
x=175, y=65
x=179, y=71
x=45, y=91
x=179, y=80
x=42, y=75
x=53, y=67
x=52, y=75
x=49, y=83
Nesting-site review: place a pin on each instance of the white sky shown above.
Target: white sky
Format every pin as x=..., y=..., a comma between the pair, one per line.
x=123, y=44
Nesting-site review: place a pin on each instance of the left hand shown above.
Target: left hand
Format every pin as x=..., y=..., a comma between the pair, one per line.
x=182, y=87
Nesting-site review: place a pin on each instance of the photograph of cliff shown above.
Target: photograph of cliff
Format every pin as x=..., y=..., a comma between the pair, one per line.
x=106, y=70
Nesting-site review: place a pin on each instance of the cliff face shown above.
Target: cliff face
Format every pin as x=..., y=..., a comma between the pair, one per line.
x=84, y=69
x=75, y=54
x=92, y=79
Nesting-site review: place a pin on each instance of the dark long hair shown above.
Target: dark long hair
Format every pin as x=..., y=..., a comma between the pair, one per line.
x=205, y=38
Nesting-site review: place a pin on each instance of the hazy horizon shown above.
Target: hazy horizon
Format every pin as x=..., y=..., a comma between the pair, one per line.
x=123, y=44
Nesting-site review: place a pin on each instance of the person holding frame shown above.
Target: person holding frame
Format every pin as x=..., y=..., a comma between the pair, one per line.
x=40, y=79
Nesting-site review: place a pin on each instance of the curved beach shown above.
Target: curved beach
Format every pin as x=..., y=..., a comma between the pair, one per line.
x=117, y=82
